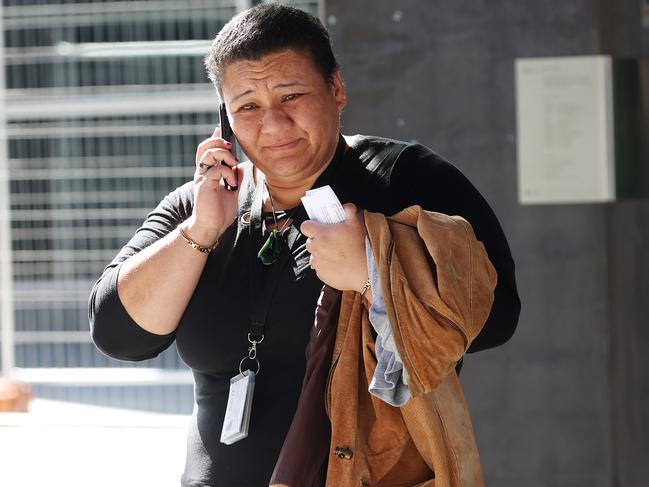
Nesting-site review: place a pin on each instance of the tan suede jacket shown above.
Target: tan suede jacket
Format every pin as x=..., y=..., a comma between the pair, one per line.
x=438, y=289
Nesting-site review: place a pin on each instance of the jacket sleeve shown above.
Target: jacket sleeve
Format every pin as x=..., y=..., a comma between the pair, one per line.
x=434, y=184
x=438, y=285
x=113, y=331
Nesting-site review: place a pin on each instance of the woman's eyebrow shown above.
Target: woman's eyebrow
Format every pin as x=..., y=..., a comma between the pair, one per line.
x=289, y=84
x=247, y=92
x=279, y=85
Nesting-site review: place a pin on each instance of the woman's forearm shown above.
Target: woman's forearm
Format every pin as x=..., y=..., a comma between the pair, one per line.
x=156, y=284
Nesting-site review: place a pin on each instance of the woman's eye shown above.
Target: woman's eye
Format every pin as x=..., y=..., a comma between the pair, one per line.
x=248, y=107
x=292, y=96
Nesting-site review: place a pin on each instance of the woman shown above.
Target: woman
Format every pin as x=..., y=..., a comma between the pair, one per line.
x=192, y=274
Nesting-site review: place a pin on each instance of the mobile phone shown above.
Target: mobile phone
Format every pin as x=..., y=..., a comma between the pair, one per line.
x=226, y=134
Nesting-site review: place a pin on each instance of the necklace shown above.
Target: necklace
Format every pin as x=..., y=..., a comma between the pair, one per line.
x=269, y=252
x=270, y=217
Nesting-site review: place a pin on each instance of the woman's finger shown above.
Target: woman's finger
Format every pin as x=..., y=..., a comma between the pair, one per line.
x=214, y=155
x=230, y=177
x=309, y=245
x=211, y=143
x=219, y=157
x=222, y=157
x=216, y=172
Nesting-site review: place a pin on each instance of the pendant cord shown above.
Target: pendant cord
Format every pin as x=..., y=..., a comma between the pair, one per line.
x=272, y=205
x=269, y=252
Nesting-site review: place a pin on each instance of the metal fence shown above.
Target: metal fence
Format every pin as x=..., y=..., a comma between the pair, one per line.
x=97, y=93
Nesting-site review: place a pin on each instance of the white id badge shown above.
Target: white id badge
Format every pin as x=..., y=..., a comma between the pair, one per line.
x=237, y=412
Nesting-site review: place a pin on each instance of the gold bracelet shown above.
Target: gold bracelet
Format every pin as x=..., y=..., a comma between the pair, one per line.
x=194, y=245
x=367, y=285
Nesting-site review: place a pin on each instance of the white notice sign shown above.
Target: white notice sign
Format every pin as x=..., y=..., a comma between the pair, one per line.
x=565, y=129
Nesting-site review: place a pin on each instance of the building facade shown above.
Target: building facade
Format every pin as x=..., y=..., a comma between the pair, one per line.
x=104, y=104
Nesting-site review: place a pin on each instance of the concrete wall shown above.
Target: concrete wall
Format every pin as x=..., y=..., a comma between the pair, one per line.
x=564, y=402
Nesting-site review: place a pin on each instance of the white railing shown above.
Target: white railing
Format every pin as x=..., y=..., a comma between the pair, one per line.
x=105, y=376
x=6, y=274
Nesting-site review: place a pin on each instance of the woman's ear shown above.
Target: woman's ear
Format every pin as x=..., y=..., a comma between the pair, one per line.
x=339, y=92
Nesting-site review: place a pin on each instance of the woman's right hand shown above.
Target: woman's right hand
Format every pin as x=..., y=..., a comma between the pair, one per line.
x=215, y=207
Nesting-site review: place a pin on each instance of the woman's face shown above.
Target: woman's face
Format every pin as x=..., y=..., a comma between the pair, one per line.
x=285, y=114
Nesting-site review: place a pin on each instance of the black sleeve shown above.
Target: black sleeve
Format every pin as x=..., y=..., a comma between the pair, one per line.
x=436, y=185
x=113, y=331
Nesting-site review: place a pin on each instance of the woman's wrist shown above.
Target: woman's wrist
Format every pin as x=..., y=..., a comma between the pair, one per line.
x=204, y=237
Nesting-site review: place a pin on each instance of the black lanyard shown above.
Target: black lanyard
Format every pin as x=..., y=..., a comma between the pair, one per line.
x=265, y=279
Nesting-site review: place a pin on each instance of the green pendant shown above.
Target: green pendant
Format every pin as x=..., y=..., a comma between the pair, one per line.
x=269, y=252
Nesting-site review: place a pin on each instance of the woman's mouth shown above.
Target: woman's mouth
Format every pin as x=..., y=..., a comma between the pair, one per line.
x=284, y=146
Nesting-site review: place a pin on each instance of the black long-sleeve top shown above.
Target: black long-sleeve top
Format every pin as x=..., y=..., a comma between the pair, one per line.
x=235, y=290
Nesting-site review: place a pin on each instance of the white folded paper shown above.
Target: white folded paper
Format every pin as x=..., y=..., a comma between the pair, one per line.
x=322, y=205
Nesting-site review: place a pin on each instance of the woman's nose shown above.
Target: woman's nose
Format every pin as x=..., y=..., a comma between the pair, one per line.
x=275, y=120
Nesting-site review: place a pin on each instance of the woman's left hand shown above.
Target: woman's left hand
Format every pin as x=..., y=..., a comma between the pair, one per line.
x=338, y=250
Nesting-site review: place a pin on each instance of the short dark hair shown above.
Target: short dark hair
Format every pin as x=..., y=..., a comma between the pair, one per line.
x=265, y=29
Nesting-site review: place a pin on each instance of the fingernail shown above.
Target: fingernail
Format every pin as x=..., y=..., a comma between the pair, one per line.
x=229, y=144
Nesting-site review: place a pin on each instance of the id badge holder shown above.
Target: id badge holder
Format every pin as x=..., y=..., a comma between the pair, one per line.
x=242, y=387
x=237, y=412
